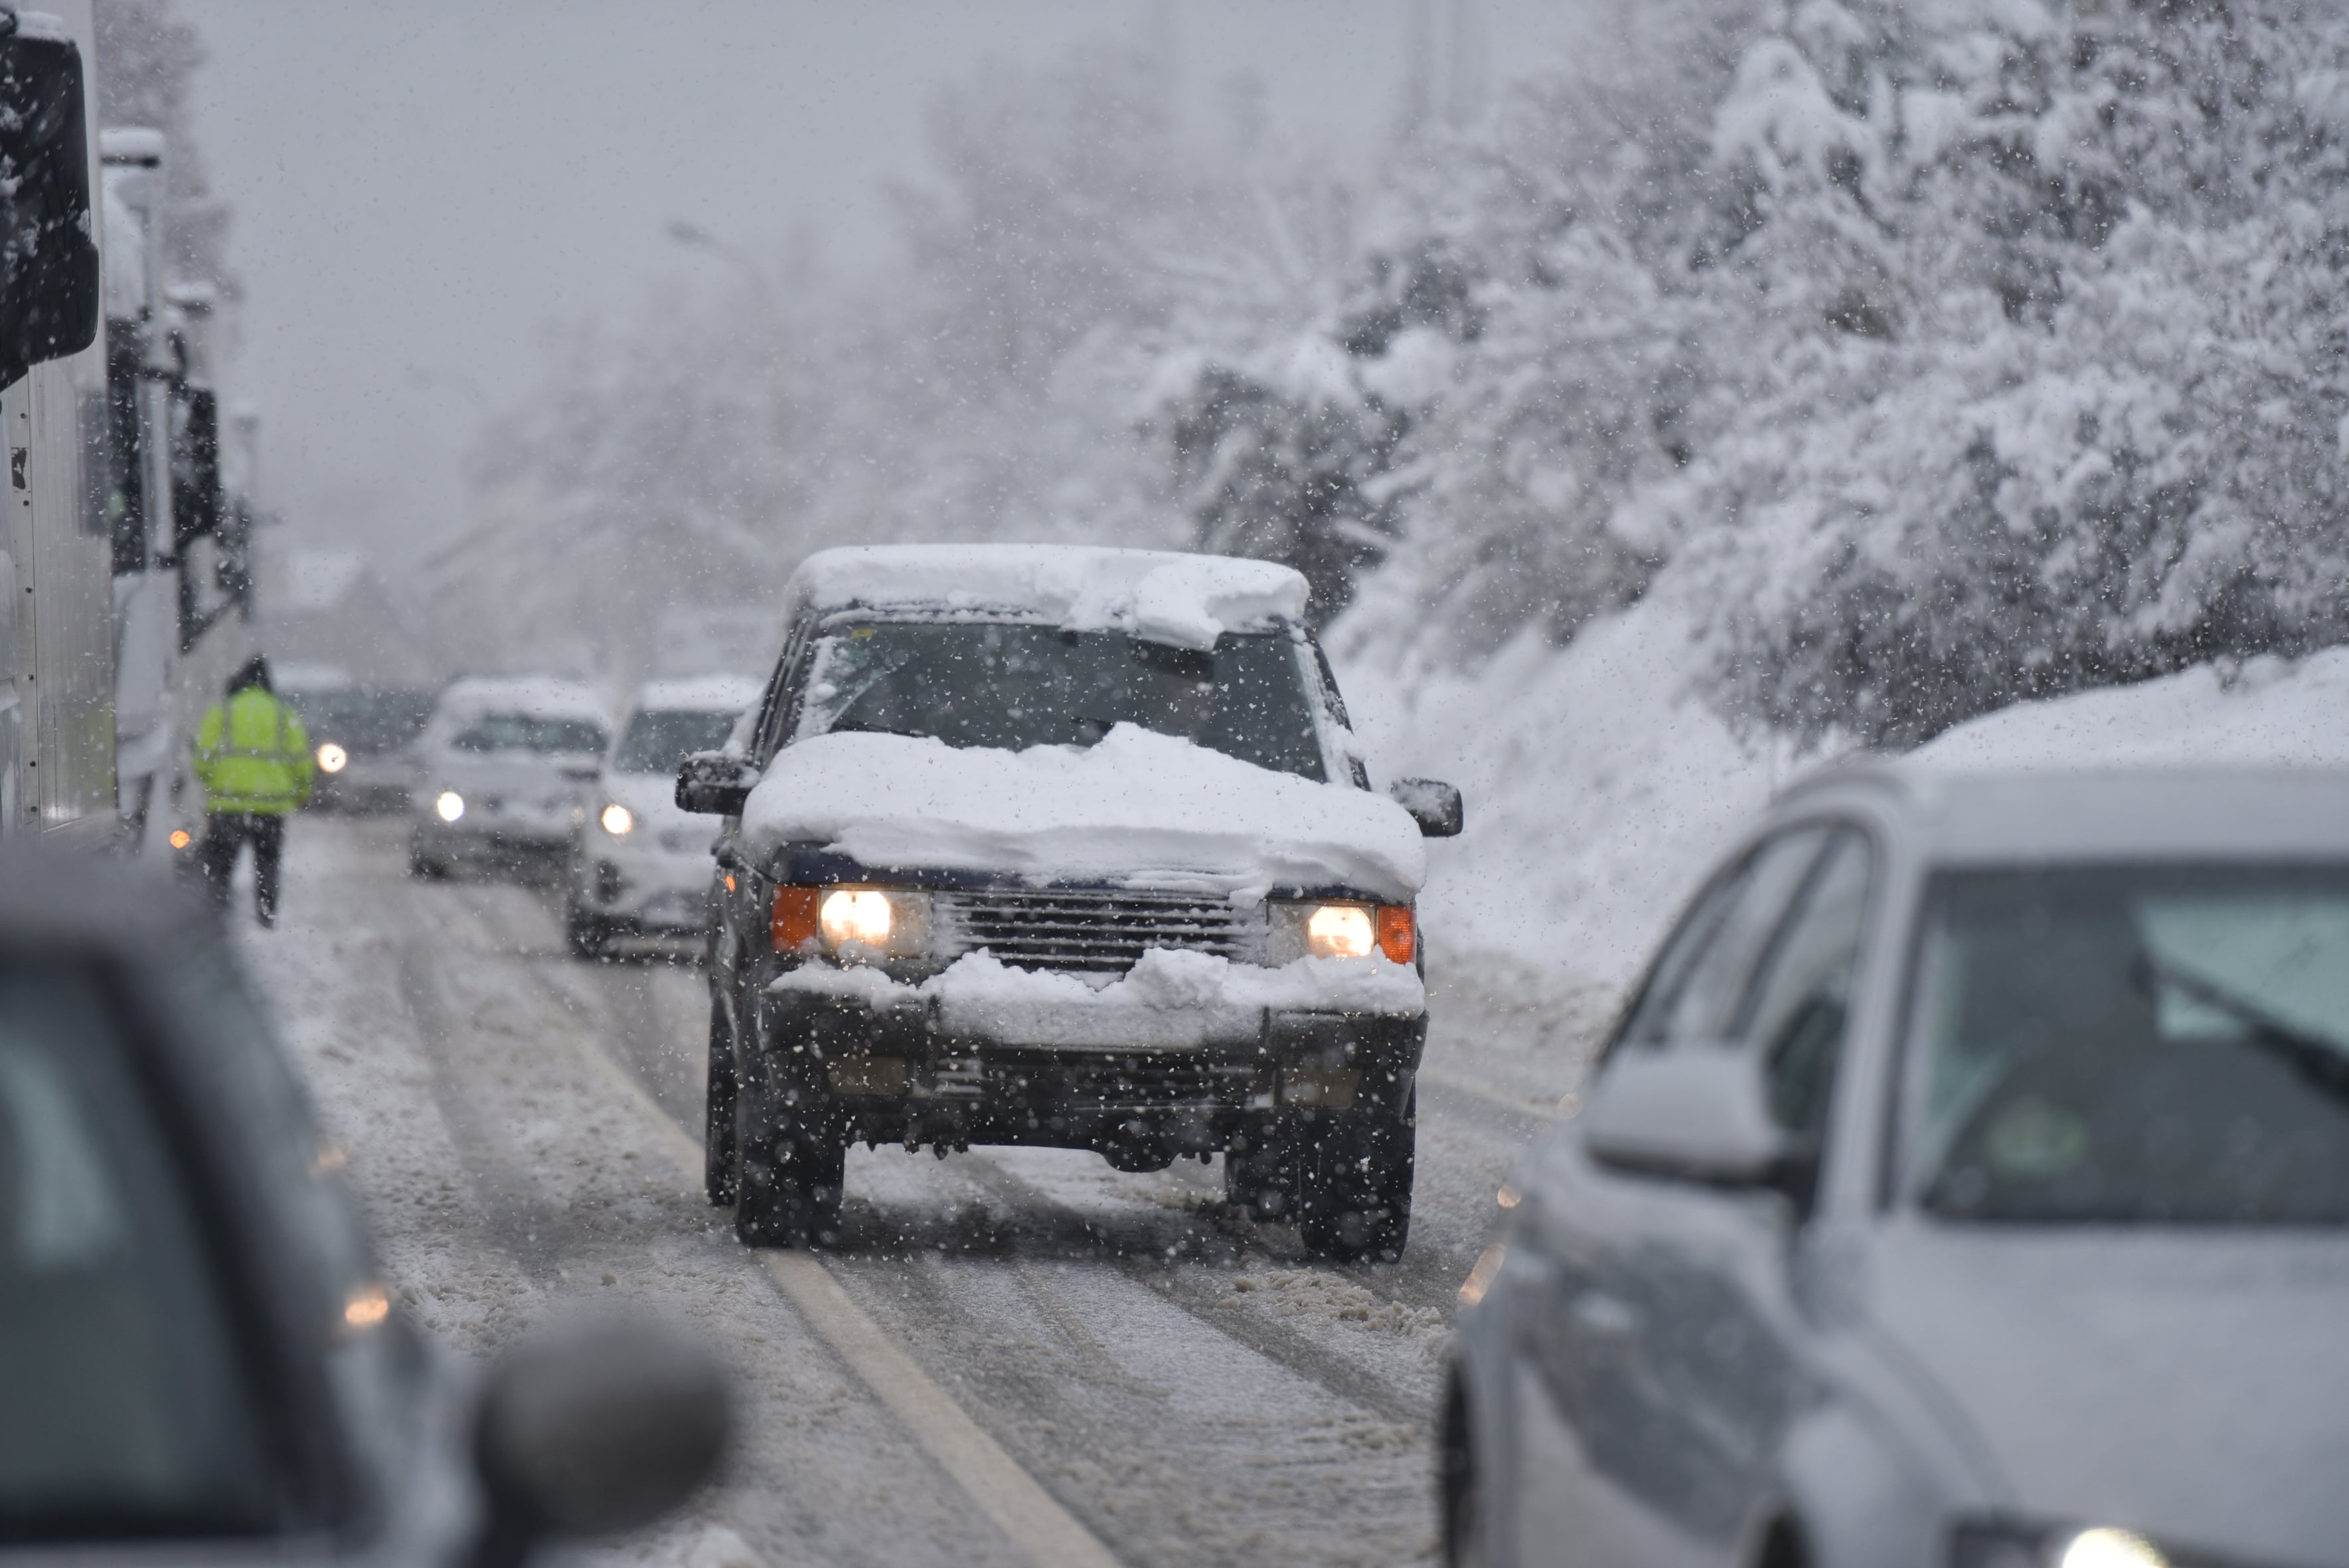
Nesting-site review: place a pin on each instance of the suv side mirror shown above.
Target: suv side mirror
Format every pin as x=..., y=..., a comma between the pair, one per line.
x=1697, y=1112
x=592, y=1428
x=1434, y=805
x=715, y=784
x=48, y=253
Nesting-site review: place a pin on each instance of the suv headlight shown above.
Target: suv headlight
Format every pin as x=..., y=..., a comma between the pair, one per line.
x=2030, y=1546
x=853, y=922
x=617, y=820
x=1334, y=928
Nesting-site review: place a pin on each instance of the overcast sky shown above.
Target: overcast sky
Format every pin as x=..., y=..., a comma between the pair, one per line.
x=423, y=187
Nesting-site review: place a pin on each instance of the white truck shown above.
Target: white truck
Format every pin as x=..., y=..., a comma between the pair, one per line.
x=112, y=432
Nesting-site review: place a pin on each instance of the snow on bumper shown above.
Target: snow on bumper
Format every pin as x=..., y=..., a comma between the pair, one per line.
x=1168, y=1001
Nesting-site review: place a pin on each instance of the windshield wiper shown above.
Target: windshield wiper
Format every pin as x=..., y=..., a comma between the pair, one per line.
x=2322, y=1062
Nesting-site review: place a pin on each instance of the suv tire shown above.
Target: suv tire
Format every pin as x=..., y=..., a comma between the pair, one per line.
x=1355, y=1171
x=590, y=937
x=719, y=1175
x=790, y=1159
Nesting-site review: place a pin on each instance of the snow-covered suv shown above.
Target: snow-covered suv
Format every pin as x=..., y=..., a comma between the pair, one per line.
x=1071, y=847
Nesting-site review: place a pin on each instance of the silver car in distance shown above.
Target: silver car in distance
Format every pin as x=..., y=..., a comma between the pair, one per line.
x=1965, y=1186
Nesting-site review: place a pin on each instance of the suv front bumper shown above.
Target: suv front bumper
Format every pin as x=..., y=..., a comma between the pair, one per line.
x=905, y=1068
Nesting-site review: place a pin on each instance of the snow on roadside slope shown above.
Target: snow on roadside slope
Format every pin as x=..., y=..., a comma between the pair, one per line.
x=2265, y=710
x=1598, y=787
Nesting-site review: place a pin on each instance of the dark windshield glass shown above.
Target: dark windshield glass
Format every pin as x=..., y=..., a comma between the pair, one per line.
x=1016, y=687
x=658, y=739
x=362, y=721
x=527, y=732
x=123, y=1408
x=2133, y=1045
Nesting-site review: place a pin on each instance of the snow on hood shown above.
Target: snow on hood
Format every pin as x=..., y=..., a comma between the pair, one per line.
x=2105, y=1369
x=1138, y=806
x=1163, y=596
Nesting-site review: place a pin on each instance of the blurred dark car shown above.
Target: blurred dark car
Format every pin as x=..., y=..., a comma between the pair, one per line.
x=1966, y=1186
x=362, y=737
x=196, y=1351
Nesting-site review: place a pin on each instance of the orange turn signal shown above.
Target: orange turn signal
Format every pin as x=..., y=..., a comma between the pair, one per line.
x=1398, y=933
x=179, y=839
x=794, y=921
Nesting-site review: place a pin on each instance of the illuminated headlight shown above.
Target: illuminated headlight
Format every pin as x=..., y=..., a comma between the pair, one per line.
x=874, y=919
x=1341, y=930
x=853, y=923
x=449, y=805
x=2012, y=1546
x=617, y=820
x=332, y=758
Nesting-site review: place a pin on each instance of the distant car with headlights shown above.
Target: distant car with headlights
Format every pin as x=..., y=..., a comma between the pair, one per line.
x=362, y=737
x=1965, y=1186
x=1070, y=847
x=201, y=1361
x=506, y=766
x=640, y=866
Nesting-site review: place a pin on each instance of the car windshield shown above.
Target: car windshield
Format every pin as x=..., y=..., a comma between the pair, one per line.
x=659, y=738
x=2132, y=1045
x=363, y=721
x=1012, y=687
x=126, y=1409
x=530, y=732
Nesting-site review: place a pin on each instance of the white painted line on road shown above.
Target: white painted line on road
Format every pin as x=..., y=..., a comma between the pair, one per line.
x=1018, y=1504
x=1462, y=1084
x=1020, y=1508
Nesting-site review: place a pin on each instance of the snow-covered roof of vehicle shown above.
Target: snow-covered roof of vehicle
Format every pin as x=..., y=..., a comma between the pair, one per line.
x=540, y=696
x=1165, y=596
x=41, y=25
x=1965, y=811
x=310, y=677
x=699, y=694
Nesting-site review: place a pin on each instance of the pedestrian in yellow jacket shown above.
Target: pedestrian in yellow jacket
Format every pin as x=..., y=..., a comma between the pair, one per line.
x=253, y=757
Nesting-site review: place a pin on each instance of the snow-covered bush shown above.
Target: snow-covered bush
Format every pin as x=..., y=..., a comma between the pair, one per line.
x=2056, y=400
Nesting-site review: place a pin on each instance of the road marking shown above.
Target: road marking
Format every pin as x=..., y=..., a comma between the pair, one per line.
x=1015, y=1501
x=1020, y=1508
x=1462, y=1083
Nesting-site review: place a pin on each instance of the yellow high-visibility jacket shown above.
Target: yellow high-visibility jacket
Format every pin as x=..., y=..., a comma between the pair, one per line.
x=254, y=756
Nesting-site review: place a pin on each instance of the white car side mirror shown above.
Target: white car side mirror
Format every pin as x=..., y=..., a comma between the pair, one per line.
x=1699, y=1112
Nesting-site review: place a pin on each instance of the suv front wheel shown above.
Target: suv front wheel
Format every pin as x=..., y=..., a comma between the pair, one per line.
x=1354, y=1170
x=790, y=1158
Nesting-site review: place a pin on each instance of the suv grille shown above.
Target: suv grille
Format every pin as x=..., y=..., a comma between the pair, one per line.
x=1103, y=930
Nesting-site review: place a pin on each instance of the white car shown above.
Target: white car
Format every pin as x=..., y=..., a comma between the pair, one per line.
x=506, y=765
x=1966, y=1186
x=639, y=866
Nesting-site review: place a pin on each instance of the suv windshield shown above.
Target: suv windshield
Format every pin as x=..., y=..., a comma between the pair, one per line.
x=529, y=732
x=363, y=721
x=658, y=739
x=1012, y=687
x=2133, y=1045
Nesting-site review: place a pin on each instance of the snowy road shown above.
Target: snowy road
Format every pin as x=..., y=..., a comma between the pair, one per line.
x=1012, y=1357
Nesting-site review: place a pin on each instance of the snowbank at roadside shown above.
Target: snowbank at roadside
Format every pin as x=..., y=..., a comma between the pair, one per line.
x=1135, y=805
x=2267, y=711
x=1600, y=786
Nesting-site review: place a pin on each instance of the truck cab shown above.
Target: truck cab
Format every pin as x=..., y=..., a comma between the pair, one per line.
x=1070, y=847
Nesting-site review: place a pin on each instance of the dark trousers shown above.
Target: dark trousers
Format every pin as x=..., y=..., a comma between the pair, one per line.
x=226, y=834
